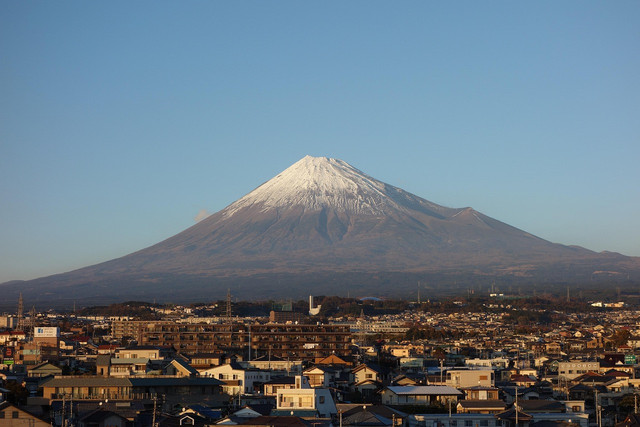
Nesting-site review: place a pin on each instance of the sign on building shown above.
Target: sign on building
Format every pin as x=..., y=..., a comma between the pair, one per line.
x=46, y=332
x=8, y=355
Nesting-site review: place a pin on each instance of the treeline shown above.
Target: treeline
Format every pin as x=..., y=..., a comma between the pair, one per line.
x=137, y=309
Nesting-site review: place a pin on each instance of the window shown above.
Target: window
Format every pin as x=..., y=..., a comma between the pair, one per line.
x=368, y=376
x=468, y=423
x=484, y=423
x=483, y=377
x=15, y=414
x=1, y=414
x=321, y=400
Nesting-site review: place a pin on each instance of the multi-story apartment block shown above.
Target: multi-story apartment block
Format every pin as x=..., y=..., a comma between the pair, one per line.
x=286, y=341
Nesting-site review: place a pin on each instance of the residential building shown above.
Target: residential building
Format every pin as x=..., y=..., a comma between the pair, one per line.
x=420, y=395
x=470, y=378
x=12, y=416
x=573, y=369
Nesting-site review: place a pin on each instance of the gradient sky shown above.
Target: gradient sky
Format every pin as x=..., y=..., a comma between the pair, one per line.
x=120, y=121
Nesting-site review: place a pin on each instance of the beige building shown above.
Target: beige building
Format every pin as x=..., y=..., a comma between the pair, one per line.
x=470, y=378
x=12, y=416
x=575, y=368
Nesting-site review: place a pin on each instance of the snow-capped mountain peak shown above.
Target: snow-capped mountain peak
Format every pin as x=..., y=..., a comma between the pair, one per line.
x=320, y=182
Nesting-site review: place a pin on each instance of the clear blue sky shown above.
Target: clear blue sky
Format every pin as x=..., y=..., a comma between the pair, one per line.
x=120, y=121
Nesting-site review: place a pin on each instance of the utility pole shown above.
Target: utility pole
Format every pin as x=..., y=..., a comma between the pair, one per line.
x=516, y=406
x=598, y=415
x=228, y=306
x=64, y=421
x=32, y=320
x=153, y=422
x=249, y=342
x=20, y=313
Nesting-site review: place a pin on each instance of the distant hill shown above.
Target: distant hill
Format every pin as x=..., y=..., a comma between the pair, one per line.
x=324, y=225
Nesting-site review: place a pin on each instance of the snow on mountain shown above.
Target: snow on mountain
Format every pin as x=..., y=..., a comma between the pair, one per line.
x=315, y=183
x=322, y=223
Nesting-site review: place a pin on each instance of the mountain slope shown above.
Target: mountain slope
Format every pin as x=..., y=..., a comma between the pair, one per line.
x=325, y=214
x=322, y=217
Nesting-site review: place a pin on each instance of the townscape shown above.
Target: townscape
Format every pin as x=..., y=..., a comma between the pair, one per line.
x=460, y=362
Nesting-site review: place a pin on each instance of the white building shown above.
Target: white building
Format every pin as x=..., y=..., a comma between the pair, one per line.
x=304, y=399
x=237, y=379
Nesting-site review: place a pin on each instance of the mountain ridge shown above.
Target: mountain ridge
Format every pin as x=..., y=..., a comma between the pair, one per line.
x=323, y=216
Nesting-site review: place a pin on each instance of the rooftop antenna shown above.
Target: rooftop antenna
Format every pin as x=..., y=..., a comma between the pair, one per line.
x=418, y=292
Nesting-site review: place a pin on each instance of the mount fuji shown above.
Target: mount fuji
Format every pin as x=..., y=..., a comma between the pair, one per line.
x=324, y=224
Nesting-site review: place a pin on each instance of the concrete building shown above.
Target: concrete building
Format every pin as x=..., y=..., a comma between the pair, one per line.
x=420, y=395
x=470, y=378
x=575, y=368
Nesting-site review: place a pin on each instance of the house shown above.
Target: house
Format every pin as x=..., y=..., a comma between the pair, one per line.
x=44, y=369
x=305, y=402
x=368, y=371
x=12, y=416
x=523, y=380
x=179, y=368
x=126, y=367
x=275, y=364
x=485, y=406
x=238, y=380
x=319, y=376
x=102, y=418
x=632, y=420
x=277, y=421
x=458, y=420
x=143, y=352
x=240, y=416
x=11, y=338
x=470, y=378
x=481, y=393
x=419, y=395
x=408, y=379
x=272, y=386
x=370, y=415
x=204, y=361
x=86, y=388
x=208, y=414
x=107, y=349
x=334, y=360
x=166, y=420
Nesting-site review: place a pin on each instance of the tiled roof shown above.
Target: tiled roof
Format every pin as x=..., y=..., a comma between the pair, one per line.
x=433, y=390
